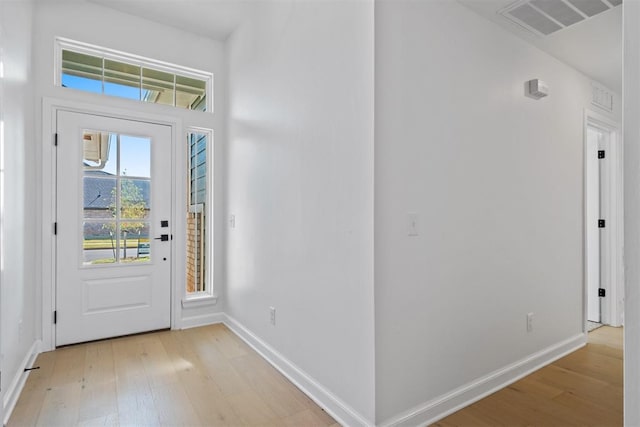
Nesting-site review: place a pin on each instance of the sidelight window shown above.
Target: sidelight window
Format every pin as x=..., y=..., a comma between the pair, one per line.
x=198, y=213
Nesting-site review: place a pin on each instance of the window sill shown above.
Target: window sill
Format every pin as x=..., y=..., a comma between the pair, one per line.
x=199, y=301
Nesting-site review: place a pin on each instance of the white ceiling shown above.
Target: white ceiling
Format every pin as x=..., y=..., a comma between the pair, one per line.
x=215, y=19
x=593, y=46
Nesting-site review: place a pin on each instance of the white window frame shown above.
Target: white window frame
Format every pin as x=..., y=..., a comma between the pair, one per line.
x=115, y=55
x=206, y=297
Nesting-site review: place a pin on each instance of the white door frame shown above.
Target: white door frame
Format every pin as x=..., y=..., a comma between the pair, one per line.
x=612, y=308
x=50, y=107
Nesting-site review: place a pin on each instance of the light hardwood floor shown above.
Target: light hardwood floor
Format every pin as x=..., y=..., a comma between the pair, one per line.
x=202, y=376
x=581, y=389
x=208, y=376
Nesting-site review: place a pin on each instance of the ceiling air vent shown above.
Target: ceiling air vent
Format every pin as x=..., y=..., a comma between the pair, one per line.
x=544, y=17
x=590, y=7
x=602, y=97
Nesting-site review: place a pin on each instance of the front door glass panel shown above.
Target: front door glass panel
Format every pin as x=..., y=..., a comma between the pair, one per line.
x=116, y=198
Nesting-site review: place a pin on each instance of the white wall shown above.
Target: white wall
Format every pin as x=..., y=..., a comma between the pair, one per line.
x=632, y=212
x=495, y=177
x=18, y=240
x=497, y=181
x=300, y=184
x=105, y=27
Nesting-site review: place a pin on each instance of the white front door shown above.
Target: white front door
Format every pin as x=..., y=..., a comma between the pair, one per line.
x=113, y=240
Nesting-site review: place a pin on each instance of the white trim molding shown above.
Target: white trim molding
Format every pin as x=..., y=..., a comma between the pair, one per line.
x=202, y=320
x=199, y=301
x=333, y=405
x=612, y=242
x=12, y=393
x=50, y=107
x=438, y=408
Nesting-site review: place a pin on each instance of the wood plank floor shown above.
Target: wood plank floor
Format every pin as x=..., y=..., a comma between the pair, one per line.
x=202, y=376
x=208, y=376
x=583, y=388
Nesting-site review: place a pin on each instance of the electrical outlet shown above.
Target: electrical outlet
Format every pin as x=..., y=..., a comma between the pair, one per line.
x=232, y=221
x=272, y=314
x=529, y=322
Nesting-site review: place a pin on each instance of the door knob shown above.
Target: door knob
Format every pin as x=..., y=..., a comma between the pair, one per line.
x=163, y=238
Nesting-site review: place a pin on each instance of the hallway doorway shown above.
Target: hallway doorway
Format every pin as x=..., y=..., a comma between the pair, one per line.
x=604, y=286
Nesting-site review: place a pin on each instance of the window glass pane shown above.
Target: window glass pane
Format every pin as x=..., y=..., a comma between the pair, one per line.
x=80, y=71
x=121, y=91
x=99, y=150
x=190, y=93
x=121, y=79
x=82, y=83
x=111, y=167
x=198, y=168
x=99, y=195
x=157, y=86
x=99, y=243
x=195, y=249
x=135, y=156
x=76, y=63
x=196, y=212
x=134, y=242
x=143, y=249
x=133, y=193
x=200, y=105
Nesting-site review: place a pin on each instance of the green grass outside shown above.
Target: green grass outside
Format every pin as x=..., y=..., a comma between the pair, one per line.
x=106, y=243
x=126, y=260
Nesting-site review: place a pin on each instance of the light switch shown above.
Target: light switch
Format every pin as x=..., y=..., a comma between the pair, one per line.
x=412, y=224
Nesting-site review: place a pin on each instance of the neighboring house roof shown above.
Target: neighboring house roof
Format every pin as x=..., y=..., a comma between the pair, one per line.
x=99, y=187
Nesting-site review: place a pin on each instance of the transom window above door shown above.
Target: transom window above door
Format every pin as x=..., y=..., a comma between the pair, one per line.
x=104, y=71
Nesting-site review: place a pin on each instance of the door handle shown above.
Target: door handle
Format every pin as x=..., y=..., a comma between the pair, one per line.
x=163, y=238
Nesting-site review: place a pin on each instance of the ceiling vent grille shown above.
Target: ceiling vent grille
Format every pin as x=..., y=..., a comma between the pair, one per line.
x=544, y=17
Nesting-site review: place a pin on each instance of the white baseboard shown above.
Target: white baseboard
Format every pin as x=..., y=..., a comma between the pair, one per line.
x=202, y=320
x=438, y=408
x=12, y=393
x=339, y=410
